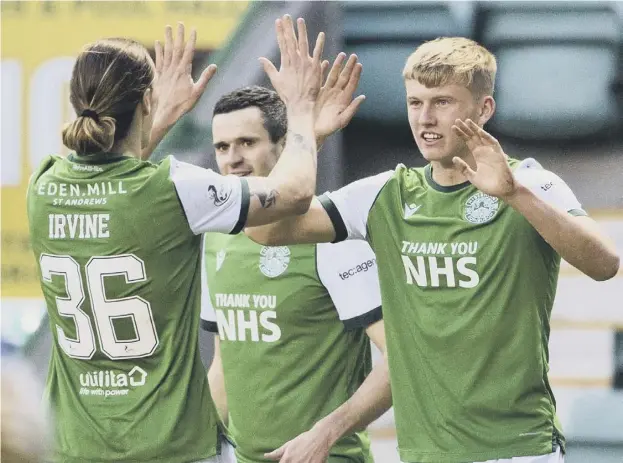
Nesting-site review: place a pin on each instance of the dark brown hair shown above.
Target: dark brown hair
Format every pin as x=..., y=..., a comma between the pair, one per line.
x=108, y=82
x=267, y=101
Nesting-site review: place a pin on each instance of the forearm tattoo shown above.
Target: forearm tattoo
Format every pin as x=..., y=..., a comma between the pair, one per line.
x=266, y=198
x=300, y=141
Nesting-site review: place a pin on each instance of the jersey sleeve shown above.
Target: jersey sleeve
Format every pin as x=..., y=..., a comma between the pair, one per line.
x=208, y=314
x=349, y=272
x=348, y=207
x=211, y=202
x=548, y=186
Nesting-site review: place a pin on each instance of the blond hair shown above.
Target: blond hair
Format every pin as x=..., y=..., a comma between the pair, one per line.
x=108, y=82
x=453, y=60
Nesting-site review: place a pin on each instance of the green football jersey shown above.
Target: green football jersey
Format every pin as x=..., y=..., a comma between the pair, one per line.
x=291, y=322
x=119, y=243
x=468, y=286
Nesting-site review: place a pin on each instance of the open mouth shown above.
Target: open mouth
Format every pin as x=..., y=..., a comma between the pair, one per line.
x=245, y=173
x=431, y=137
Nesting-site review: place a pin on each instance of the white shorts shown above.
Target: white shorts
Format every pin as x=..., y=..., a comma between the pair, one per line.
x=556, y=457
x=228, y=454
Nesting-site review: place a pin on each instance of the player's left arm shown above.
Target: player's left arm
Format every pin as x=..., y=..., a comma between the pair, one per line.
x=550, y=206
x=348, y=271
x=543, y=198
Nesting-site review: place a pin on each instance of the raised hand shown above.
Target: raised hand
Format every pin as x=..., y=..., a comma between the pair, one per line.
x=175, y=90
x=492, y=176
x=299, y=77
x=335, y=106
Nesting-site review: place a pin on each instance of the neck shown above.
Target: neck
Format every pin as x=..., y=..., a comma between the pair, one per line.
x=131, y=143
x=128, y=146
x=445, y=173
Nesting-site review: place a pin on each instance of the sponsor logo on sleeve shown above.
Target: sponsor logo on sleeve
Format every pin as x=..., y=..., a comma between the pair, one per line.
x=219, y=196
x=362, y=267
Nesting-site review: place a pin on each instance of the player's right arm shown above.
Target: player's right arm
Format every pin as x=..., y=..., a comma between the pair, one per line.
x=289, y=188
x=225, y=204
x=332, y=217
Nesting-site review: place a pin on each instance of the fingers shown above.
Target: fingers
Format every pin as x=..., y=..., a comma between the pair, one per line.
x=347, y=71
x=269, y=69
x=463, y=129
x=168, y=46
x=350, y=110
x=465, y=132
x=159, y=52
x=303, y=42
x=485, y=136
x=318, y=49
x=178, y=45
x=463, y=167
x=335, y=70
x=353, y=80
x=186, y=62
x=290, y=38
x=203, y=80
x=276, y=455
x=323, y=67
x=281, y=40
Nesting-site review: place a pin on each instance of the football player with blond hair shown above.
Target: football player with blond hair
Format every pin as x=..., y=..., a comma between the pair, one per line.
x=468, y=251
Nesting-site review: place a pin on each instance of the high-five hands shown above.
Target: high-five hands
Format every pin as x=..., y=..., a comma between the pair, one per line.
x=174, y=93
x=299, y=77
x=175, y=90
x=335, y=106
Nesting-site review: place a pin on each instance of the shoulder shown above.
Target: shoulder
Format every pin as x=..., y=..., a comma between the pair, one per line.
x=344, y=254
x=45, y=165
x=547, y=186
x=408, y=177
x=529, y=172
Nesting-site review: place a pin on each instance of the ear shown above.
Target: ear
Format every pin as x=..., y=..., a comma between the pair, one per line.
x=487, y=108
x=146, y=102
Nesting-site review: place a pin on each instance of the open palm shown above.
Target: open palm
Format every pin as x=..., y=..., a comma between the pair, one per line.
x=174, y=88
x=492, y=175
x=335, y=106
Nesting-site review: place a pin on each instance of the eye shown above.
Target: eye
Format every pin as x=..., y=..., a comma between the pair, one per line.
x=221, y=148
x=443, y=102
x=415, y=103
x=248, y=143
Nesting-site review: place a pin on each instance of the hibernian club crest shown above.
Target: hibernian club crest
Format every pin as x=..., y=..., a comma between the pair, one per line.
x=274, y=260
x=480, y=208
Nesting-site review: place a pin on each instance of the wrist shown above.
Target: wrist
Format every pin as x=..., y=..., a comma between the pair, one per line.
x=162, y=124
x=329, y=429
x=514, y=197
x=300, y=108
x=320, y=139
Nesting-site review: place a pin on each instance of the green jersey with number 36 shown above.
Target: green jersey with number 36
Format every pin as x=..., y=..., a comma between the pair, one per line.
x=118, y=242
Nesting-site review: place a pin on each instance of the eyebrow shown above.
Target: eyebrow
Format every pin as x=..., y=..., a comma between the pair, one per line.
x=221, y=144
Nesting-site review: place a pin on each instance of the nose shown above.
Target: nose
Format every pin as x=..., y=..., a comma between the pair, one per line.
x=233, y=156
x=427, y=115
